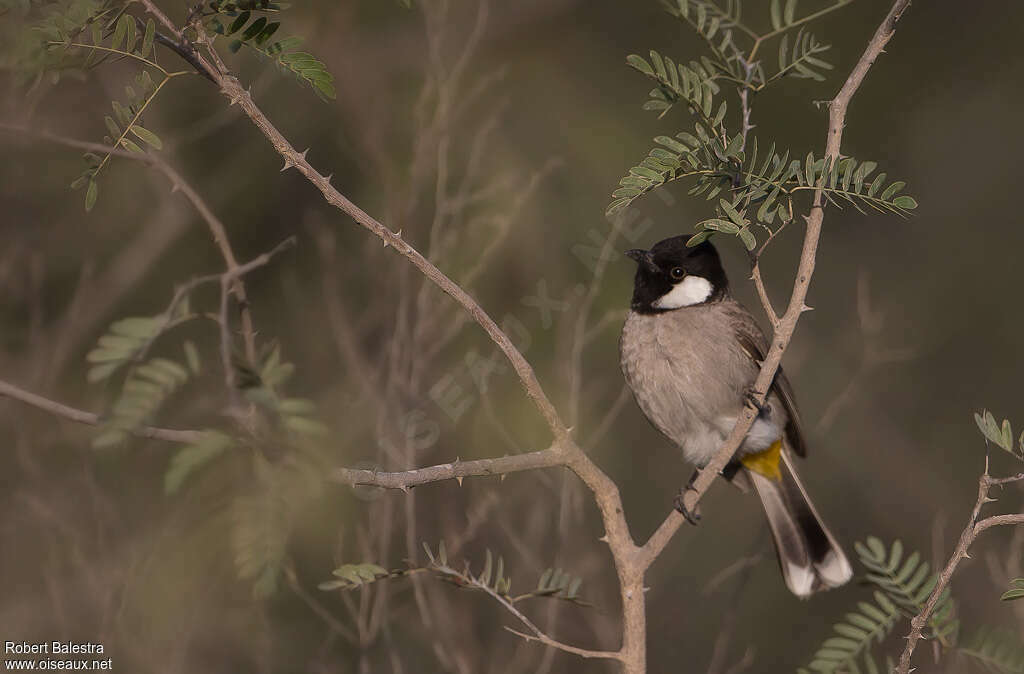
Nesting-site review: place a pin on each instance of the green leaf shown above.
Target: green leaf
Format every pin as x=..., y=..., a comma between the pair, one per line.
x=284, y=45
x=267, y=32
x=193, y=457
x=147, y=39
x=718, y=225
x=776, y=15
x=122, y=113
x=131, y=146
x=148, y=137
x=732, y=213
x=90, y=195
x=790, y=12
x=905, y=202
x=138, y=327
x=254, y=28
x=131, y=33
x=748, y=238
x=120, y=30
x=1016, y=590
x=192, y=357
x=639, y=63
x=698, y=238
x=355, y=575
x=892, y=190
x=305, y=426
x=239, y=21
x=733, y=149
x=297, y=406
x=112, y=126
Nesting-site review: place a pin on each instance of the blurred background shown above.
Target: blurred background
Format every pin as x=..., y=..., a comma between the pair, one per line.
x=492, y=135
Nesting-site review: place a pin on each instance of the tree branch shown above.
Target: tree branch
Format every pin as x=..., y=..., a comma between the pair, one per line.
x=970, y=532
x=551, y=457
x=91, y=419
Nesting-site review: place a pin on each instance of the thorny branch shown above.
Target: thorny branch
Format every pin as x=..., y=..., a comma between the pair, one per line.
x=974, y=527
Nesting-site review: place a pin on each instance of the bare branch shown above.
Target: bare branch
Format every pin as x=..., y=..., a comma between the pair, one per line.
x=582, y=652
x=90, y=418
x=551, y=457
x=970, y=532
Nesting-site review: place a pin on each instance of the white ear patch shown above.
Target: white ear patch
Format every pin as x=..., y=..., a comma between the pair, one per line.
x=692, y=290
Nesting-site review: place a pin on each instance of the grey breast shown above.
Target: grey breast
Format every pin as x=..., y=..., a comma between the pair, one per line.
x=688, y=373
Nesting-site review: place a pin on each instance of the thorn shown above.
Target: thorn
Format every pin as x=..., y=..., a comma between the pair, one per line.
x=806, y=308
x=399, y=234
x=405, y=488
x=175, y=188
x=503, y=476
x=303, y=153
x=603, y=539
x=287, y=165
x=459, y=480
x=328, y=178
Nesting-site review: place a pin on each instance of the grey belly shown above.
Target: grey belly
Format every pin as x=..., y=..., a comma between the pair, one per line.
x=688, y=375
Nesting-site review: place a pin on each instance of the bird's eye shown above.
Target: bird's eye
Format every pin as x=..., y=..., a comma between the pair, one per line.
x=677, y=273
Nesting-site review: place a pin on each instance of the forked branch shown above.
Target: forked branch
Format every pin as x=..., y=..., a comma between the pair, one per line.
x=974, y=527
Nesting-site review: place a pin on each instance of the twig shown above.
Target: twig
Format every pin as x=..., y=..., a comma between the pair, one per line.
x=457, y=470
x=508, y=603
x=316, y=607
x=970, y=532
x=582, y=652
x=83, y=417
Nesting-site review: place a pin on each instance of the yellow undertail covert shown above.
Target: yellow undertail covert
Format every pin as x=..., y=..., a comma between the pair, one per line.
x=766, y=462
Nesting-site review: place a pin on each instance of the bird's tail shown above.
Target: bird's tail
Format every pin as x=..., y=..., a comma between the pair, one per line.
x=809, y=556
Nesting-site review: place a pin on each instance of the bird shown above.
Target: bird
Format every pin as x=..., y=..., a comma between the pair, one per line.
x=690, y=354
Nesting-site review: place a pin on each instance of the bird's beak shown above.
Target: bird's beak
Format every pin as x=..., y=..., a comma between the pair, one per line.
x=643, y=257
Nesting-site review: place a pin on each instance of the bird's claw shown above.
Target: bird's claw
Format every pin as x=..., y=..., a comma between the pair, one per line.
x=693, y=517
x=750, y=397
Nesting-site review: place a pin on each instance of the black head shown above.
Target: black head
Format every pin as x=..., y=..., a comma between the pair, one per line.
x=671, y=276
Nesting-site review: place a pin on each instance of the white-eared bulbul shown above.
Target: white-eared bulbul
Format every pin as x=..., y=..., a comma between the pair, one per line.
x=690, y=353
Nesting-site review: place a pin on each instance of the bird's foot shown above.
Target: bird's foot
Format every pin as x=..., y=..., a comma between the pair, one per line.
x=750, y=398
x=693, y=517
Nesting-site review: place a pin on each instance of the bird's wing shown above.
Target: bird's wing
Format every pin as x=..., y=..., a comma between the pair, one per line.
x=755, y=344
